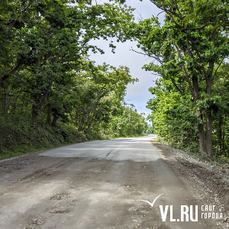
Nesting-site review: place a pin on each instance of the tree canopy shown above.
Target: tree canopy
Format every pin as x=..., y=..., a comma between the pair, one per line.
x=45, y=70
x=189, y=51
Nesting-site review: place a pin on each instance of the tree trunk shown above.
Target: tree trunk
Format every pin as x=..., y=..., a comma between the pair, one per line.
x=220, y=138
x=223, y=134
x=49, y=121
x=40, y=102
x=196, y=95
x=209, y=122
x=209, y=135
x=4, y=102
x=34, y=112
x=203, y=149
x=55, y=117
x=202, y=139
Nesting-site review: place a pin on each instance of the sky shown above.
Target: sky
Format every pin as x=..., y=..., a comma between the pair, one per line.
x=137, y=94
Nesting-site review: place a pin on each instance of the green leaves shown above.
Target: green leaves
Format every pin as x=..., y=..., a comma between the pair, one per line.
x=188, y=51
x=45, y=71
x=56, y=31
x=127, y=123
x=173, y=117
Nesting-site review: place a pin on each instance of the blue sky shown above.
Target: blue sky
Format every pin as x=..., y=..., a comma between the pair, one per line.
x=138, y=93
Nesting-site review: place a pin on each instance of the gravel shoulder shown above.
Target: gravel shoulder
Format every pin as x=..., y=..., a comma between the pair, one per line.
x=206, y=182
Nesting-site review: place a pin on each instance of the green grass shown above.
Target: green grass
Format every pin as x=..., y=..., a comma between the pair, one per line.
x=192, y=149
x=19, y=135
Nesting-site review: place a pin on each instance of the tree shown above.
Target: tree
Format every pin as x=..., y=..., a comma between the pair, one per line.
x=46, y=74
x=173, y=116
x=46, y=40
x=127, y=122
x=102, y=90
x=189, y=49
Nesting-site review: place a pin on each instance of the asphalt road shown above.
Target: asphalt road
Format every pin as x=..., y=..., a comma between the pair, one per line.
x=99, y=184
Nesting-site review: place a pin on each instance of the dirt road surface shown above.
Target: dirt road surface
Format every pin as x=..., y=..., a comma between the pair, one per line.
x=105, y=184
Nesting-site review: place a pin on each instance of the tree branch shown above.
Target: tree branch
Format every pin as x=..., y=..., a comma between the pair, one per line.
x=198, y=54
x=22, y=10
x=199, y=28
x=18, y=67
x=174, y=83
x=185, y=73
x=213, y=77
x=156, y=58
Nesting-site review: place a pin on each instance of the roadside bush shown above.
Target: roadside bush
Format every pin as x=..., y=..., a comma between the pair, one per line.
x=19, y=135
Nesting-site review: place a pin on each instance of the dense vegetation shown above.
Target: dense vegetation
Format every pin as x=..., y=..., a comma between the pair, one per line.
x=50, y=91
x=190, y=50
x=49, y=84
